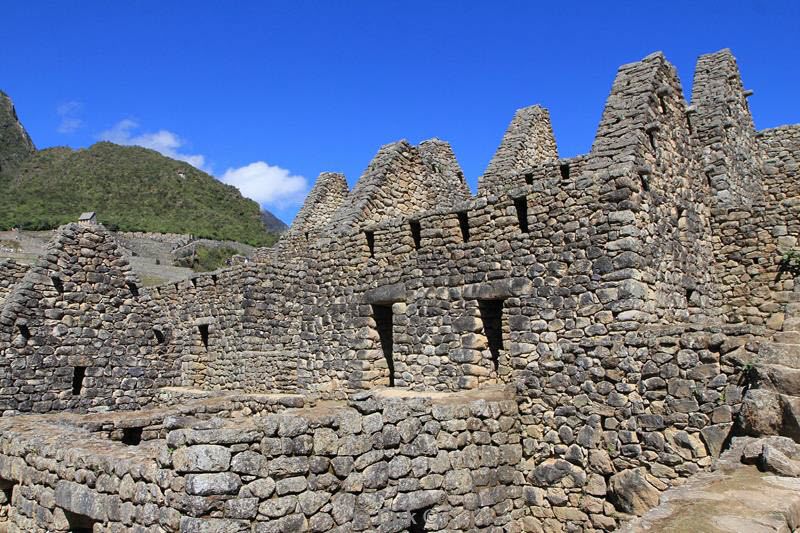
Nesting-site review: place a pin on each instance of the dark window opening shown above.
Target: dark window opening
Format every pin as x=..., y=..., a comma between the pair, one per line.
x=680, y=212
x=689, y=123
x=416, y=233
x=24, y=331
x=194, y=281
x=708, y=180
x=644, y=178
x=521, y=205
x=529, y=178
x=463, y=222
x=418, y=519
x=306, y=236
x=652, y=137
x=491, y=312
x=689, y=293
x=382, y=314
x=370, y=235
x=204, y=334
x=133, y=288
x=79, y=523
x=214, y=278
x=461, y=176
x=58, y=284
x=662, y=103
x=159, y=336
x=78, y=373
x=564, y=171
x=132, y=436
x=6, y=493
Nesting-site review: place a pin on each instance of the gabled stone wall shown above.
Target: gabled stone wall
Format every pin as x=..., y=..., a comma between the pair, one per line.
x=78, y=332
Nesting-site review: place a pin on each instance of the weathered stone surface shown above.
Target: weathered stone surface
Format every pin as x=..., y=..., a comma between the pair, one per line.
x=631, y=492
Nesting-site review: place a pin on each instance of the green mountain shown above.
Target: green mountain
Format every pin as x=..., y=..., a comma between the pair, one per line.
x=131, y=189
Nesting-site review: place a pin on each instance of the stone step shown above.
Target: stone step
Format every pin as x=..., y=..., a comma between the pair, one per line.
x=734, y=499
x=773, y=353
x=787, y=337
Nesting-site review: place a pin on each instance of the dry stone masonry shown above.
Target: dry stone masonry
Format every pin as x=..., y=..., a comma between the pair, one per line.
x=551, y=354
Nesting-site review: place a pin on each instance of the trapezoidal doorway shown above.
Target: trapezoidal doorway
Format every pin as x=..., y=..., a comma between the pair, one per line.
x=382, y=314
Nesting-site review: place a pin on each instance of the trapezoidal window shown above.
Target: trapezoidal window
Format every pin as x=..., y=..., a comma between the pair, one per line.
x=24, y=331
x=58, y=284
x=491, y=312
x=78, y=373
x=382, y=314
x=79, y=523
x=644, y=179
x=564, y=171
x=418, y=519
x=133, y=288
x=160, y=338
x=6, y=498
x=132, y=436
x=651, y=135
x=461, y=176
x=528, y=178
x=463, y=223
x=521, y=206
x=662, y=103
x=370, y=235
x=203, y=328
x=416, y=233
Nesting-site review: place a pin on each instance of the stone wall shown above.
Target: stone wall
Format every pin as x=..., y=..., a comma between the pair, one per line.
x=402, y=179
x=374, y=466
x=780, y=149
x=568, y=343
x=720, y=116
x=610, y=424
x=749, y=246
x=11, y=273
x=528, y=142
x=77, y=332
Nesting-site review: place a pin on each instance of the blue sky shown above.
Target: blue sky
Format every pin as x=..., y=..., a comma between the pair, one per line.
x=270, y=94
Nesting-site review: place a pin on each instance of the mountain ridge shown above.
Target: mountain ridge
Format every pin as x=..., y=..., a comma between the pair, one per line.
x=130, y=187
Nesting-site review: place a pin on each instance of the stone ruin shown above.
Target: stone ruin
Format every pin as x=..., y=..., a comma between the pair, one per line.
x=549, y=355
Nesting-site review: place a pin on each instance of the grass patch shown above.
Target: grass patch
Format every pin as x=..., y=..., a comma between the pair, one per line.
x=14, y=246
x=206, y=259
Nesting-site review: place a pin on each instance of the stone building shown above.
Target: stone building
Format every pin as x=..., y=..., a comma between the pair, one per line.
x=549, y=355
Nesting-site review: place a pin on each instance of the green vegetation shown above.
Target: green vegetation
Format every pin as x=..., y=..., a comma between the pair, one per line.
x=206, y=259
x=131, y=189
x=790, y=262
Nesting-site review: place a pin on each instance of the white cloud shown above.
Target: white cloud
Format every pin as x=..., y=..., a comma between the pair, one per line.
x=260, y=181
x=267, y=184
x=162, y=141
x=68, y=113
